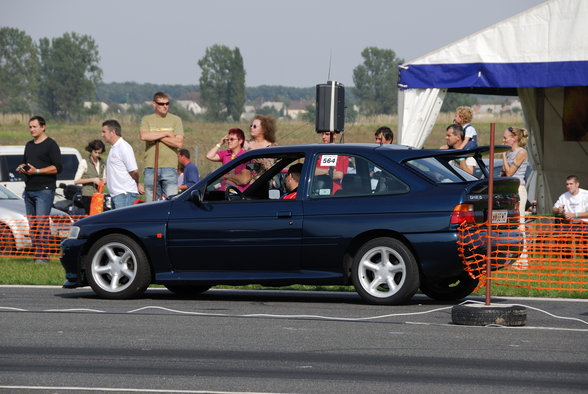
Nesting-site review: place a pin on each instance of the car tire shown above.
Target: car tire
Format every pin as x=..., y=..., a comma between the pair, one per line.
x=187, y=290
x=7, y=242
x=450, y=289
x=385, y=272
x=117, y=267
x=484, y=315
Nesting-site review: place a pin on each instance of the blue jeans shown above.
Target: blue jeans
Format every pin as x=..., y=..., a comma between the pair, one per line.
x=123, y=200
x=38, y=207
x=167, y=180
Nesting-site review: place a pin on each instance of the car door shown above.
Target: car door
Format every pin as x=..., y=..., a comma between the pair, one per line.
x=248, y=234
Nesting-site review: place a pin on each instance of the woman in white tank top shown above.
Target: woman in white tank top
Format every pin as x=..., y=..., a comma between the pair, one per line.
x=514, y=161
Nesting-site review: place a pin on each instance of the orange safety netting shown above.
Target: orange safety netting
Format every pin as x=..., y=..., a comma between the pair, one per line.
x=545, y=253
x=26, y=237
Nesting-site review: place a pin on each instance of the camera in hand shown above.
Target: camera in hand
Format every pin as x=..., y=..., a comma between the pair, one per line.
x=26, y=167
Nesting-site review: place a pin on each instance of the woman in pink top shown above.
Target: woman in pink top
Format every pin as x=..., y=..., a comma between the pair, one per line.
x=240, y=176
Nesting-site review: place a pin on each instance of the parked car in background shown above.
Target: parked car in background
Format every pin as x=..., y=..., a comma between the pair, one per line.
x=383, y=218
x=11, y=157
x=14, y=226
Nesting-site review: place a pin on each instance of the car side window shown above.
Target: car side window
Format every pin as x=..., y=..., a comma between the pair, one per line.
x=350, y=175
x=255, y=178
x=383, y=182
x=327, y=174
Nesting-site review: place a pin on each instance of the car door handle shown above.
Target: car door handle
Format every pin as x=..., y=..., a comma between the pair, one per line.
x=284, y=214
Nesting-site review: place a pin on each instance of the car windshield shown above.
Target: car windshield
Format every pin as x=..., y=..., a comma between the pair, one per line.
x=441, y=170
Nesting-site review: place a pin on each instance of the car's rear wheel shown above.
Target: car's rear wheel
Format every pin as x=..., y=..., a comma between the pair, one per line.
x=450, y=289
x=187, y=290
x=117, y=267
x=384, y=271
x=7, y=242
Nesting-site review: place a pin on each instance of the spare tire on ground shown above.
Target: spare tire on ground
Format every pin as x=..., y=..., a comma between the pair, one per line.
x=483, y=315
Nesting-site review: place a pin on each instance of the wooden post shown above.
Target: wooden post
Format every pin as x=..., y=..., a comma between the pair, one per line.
x=155, y=170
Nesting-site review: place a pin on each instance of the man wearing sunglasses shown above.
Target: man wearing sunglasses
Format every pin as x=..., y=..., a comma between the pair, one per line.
x=167, y=131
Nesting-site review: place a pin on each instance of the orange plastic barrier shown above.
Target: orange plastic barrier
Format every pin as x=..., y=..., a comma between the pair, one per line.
x=546, y=253
x=21, y=237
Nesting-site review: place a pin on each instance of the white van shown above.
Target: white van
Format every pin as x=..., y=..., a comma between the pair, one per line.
x=11, y=157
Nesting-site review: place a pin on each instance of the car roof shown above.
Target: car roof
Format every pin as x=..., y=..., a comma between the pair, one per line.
x=19, y=150
x=396, y=152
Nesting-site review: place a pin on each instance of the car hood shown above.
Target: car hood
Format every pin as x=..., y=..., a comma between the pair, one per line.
x=141, y=212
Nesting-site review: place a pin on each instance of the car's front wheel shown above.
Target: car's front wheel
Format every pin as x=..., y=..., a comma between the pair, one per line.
x=117, y=267
x=384, y=271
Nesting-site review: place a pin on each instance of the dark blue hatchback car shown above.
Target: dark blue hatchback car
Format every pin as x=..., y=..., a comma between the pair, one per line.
x=383, y=218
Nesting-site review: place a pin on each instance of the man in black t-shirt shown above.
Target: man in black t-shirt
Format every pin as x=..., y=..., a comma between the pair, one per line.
x=41, y=163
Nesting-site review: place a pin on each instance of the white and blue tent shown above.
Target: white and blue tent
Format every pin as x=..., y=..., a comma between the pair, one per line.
x=541, y=55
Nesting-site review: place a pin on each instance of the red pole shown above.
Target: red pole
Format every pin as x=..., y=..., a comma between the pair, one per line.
x=489, y=226
x=155, y=170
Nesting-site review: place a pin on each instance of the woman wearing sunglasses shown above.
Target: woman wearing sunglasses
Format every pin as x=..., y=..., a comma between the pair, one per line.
x=235, y=139
x=263, y=132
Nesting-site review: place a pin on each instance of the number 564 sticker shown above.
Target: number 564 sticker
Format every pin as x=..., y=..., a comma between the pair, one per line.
x=328, y=160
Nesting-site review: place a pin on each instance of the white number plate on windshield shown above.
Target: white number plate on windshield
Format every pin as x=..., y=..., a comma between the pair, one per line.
x=499, y=216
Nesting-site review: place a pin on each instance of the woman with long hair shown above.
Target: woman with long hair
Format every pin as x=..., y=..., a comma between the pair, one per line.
x=263, y=132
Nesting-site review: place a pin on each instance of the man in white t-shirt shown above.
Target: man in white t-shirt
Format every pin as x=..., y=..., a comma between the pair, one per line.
x=573, y=204
x=122, y=175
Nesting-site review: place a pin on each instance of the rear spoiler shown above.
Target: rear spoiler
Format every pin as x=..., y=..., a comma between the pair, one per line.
x=476, y=152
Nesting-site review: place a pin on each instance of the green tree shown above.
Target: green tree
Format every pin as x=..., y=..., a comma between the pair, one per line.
x=19, y=71
x=375, y=81
x=236, y=99
x=70, y=73
x=222, y=82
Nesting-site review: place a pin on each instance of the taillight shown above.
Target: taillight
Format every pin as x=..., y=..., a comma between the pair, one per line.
x=463, y=213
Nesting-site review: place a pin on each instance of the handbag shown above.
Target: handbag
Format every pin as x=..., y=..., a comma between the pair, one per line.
x=97, y=203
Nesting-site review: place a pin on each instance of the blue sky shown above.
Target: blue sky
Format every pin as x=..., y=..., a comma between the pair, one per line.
x=282, y=42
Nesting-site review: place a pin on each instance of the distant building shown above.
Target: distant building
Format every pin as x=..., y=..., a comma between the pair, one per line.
x=248, y=113
x=103, y=106
x=277, y=105
x=191, y=106
x=297, y=108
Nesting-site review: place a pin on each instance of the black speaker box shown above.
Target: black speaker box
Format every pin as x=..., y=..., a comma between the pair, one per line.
x=330, y=107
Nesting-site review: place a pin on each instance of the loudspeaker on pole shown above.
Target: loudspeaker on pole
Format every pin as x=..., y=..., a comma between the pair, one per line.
x=330, y=107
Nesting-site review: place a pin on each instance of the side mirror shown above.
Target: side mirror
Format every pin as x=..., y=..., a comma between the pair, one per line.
x=196, y=197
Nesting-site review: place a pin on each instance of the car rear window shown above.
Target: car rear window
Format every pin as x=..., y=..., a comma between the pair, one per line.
x=440, y=171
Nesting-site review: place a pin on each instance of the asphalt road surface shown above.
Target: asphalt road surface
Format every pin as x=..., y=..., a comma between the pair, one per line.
x=54, y=340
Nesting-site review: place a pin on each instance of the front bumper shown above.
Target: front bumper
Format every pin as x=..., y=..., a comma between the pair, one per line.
x=72, y=260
